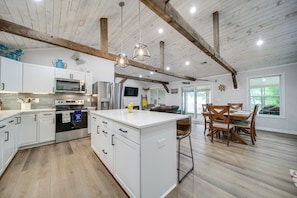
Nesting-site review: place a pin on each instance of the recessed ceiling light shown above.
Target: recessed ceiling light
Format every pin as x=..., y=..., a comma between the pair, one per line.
x=37, y=0
x=193, y=10
x=152, y=73
x=187, y=63
x=260, y=42
x=167, y=68
x=160, y=30
x=140, y=76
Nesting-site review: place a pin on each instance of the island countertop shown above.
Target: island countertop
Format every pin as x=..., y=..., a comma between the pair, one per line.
x=138, y=118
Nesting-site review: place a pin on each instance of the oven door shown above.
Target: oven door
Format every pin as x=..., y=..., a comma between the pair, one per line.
x=64, y=124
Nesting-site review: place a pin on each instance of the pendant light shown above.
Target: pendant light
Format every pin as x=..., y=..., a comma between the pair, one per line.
x=121, y=60
x=140, y=50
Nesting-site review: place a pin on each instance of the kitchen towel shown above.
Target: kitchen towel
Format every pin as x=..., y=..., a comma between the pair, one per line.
x=77, y=116
x=66, y=117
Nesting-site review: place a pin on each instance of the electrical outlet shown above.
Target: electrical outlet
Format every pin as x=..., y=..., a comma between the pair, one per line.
x=36, y=100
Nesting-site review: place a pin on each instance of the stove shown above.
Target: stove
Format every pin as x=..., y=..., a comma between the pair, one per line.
x=71, y=119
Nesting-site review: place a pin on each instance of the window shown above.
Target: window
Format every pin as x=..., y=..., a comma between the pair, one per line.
x=266, y=91
x=157, y=96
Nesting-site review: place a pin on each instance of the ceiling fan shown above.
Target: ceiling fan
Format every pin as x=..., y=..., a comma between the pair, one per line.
x=77, y=59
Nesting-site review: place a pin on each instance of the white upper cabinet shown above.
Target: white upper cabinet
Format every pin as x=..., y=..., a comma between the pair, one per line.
x=10, y=75
x=70, y=74
x=37, y=78
x=89, y=83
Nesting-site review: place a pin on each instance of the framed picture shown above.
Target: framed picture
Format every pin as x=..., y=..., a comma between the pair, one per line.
x=174, y=91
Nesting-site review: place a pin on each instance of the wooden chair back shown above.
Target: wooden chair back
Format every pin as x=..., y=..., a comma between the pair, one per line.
x=183, y=127
x=235, y=106
x=219, y=112
x=205, y=107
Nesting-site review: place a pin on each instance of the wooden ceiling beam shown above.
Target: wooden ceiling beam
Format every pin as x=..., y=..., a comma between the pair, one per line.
x=140, y=79
x=23, y=31
x=164, y=10
x=104, y=34
x=216, y=31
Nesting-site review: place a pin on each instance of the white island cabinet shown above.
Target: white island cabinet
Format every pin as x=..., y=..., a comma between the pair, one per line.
x=141, y=149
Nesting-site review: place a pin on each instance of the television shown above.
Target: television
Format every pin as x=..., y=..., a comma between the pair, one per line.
x=131, y=91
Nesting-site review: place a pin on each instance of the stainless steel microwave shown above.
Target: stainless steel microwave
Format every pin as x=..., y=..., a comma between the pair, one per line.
x=70, y=85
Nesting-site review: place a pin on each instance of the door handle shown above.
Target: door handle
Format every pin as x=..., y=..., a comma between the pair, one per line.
x=123, y=131
x=104, y=151
x=112, y=137
x=104, y=132
x=7, y=137
x=97, y=129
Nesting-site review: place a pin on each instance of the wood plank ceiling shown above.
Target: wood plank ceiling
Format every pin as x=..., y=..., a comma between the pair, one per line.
x=242, y=23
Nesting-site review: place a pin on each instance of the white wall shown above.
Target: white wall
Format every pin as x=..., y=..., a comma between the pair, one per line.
x=102, y=69
x=285, y=124
x=136, y=100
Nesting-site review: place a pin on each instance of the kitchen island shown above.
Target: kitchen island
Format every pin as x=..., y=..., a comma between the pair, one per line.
x=138, y=148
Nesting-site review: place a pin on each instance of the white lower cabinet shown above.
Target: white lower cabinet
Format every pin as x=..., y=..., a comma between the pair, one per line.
x=8, y=146
x=106, y=147
x=95, y=133
x=118, y=148
x=27, y=129
x=46, y=126
x=127, y=165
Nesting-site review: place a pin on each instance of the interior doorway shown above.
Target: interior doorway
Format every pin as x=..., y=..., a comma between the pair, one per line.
x=192, y=99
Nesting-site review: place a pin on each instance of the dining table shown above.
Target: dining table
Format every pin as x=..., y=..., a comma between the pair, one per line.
x=239, y=115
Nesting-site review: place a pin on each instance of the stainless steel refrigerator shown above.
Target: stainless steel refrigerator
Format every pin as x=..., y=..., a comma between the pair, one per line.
x=109, y=95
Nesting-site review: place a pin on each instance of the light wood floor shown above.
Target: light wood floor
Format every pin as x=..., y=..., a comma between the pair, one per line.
x=71, y=169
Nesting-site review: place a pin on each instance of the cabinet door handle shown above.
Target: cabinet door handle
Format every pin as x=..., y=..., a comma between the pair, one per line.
x=1, y=127
x=18, y=120
x=2, y=86
x=53, y=120
x=123, y=131
x=11, y=121
x=47, y=114
x=7, y=137
x=104, y=122
x=112, y=137
x=94, y=118
x=105, y=132
x=97, y=129
x=104, y=151
x=35, y=117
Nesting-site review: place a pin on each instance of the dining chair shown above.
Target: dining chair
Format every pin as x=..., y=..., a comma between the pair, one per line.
x=206, y=118
x=248, y=127
x=184, y=130
x=220, y=120
x=235, y=106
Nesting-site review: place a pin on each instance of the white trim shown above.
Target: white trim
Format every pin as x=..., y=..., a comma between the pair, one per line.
x=282, y=93
x=277, y=130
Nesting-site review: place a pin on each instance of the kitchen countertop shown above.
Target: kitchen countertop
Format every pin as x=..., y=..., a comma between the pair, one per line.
x=138, y=118
x=8, y=113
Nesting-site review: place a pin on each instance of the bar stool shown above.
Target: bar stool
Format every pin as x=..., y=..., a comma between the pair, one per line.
x=183, y=131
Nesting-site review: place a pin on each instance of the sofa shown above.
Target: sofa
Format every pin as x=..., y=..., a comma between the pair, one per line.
x=166, y=109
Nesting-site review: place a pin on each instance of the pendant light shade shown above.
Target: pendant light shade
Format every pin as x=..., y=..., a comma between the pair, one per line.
x=121, y=59
x=140, y=50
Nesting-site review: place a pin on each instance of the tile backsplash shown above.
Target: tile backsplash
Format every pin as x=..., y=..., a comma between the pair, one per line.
x=9, y=100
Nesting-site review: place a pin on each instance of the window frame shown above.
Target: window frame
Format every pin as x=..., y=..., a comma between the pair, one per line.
x=157, y=89
x=282, y=95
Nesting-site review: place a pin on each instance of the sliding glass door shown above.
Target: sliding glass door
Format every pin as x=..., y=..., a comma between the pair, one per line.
x=193, y=98
x=188, y=101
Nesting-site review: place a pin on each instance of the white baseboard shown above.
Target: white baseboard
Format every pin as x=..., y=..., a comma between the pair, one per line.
x=277, y=130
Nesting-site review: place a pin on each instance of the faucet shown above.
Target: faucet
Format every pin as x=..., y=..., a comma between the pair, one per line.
x=0, y=104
